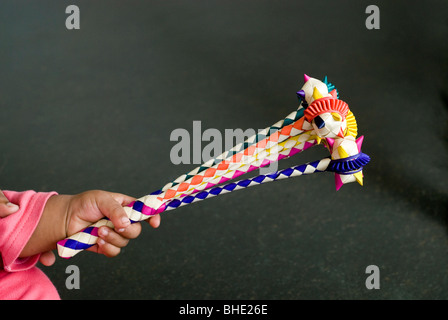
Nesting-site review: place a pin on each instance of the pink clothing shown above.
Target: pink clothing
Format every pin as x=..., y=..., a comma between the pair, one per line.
x=20, y=279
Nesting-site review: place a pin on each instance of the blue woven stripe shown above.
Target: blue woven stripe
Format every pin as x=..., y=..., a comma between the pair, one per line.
x=259, y=179
x=76, y=245
x=138, y=206
x=230, y=186
x=175, y=203
x=246, y=183
x=88, y=230
x=288, y=172
x=215, y=191
x=200, y=195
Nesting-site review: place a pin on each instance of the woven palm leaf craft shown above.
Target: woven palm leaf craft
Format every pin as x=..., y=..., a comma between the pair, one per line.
x=321, y=118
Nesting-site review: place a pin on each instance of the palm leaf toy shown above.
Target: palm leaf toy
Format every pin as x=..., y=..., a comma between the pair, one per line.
x=238, y=164
x=321, y=116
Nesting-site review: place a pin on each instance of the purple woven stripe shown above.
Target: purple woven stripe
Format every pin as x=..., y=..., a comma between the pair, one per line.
x=91, y=230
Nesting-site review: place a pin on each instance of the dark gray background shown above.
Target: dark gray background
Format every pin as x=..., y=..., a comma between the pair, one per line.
x=94, y=108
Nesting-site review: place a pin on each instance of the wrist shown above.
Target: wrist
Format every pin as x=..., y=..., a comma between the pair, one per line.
x=51, y=227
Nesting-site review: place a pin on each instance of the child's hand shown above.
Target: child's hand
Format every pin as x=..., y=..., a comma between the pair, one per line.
x=6, y=207
x=89, y=207
x=65, y=215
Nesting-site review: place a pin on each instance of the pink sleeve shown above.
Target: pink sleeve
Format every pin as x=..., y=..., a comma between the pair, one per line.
x=17, y=228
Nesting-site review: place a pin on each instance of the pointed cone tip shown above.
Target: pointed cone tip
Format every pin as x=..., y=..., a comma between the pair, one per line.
x=359, y=142
x=334, y=93
x=306, y=77
x=317, y=94
x=359, y=177
x=338, y=181
x=301, y=93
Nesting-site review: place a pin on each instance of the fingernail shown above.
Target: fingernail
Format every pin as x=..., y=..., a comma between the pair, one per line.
x=103, y=232
x=12, y=206
x=101, y=241
x=125, y=221
x=120, y=230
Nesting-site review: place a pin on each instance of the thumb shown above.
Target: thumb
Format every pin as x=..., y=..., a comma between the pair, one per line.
x=6, y=207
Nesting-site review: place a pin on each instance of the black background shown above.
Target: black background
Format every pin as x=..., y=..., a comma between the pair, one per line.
x=94, y=108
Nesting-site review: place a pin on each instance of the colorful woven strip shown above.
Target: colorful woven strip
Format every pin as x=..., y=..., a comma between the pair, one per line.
x=233, y=160
x=321, y=116
x=227, y=155
x=342, y=166
x=244, y=162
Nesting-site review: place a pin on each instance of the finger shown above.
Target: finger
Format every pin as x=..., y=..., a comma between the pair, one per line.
x=103, y=247
x=112, y=237
x=113, y=210
x=6, y=207
x=154, y=221
x=94, y=248
x=47, y=258
x=109, y=250
x=132, y=232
